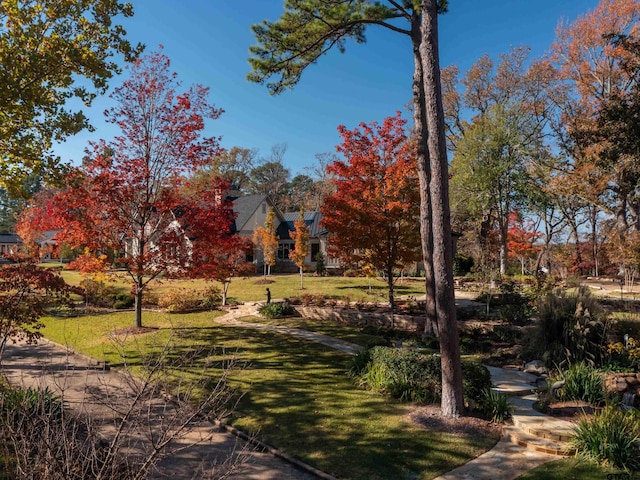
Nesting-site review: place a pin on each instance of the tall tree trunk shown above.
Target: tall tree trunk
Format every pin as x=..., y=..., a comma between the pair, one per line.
x=504, y=249
x=392, y=300
x=301, y=280
x=452, y=397
x=621, y=214
x=578, y=251
x=138, y=301
x=424, y=177
x=593, y=213
x=504, y=257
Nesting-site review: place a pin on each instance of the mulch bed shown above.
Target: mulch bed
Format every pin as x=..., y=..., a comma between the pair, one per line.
x=430, y=417
x=133, y=331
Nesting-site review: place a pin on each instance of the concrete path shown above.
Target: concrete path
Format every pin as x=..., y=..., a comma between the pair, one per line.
x=251, y=309
x=89, y=389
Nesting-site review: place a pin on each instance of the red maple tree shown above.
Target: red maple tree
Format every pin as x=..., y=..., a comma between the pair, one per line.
x=26, y=291
x=521, y=239
x=35, y=219
x=127, y=196
x=216, y=252
x=373, y=216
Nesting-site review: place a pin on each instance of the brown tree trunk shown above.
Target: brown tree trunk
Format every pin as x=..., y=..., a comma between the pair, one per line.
x=392, y=299
x=504, y=249
x=452, y=396
x=225, y=290
x=424, y=177
x=138, y=302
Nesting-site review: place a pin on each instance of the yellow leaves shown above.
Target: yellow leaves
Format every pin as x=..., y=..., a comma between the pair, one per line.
x=631, y=350
x=301, y=237
x=266, y=239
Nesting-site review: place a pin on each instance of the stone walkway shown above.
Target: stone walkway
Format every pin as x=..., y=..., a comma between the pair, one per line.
x=523, y=446
x=520, y=449
x=77, y=375
x=251, y=309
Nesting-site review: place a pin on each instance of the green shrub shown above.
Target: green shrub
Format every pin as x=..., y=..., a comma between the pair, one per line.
x=496, y=406
x=211, y=297
x=321, y=268
x=581, y=382
x=123, y=300
x=610, y=438
x=31, y=402
x=358, y=362
x=413, y=376
x=462, y=264
x=476, y=379
x=180, y=300
x=569, y=328
x=277, y=310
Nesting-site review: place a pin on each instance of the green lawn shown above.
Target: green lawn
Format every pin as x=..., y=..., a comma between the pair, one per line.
x=296, y=396
x=344, y=332
x=570, y=469
x=282, y=286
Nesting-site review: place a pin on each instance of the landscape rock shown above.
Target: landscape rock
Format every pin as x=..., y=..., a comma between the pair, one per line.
x=536, y=367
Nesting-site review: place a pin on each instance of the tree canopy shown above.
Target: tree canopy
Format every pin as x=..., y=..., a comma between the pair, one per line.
x=50, y=53
x=371, y=216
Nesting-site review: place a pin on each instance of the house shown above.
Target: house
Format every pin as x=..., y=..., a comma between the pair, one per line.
x=251, y=212
x=10, y=244
x=317, y=238
x=49, y=245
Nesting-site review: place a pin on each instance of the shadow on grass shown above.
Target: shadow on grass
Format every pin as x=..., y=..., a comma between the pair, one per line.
x=297, y=397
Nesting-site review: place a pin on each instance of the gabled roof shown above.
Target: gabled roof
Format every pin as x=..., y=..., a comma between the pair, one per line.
x=312, y=220
x=10, y=238
x=49, y=236
x=245, y=207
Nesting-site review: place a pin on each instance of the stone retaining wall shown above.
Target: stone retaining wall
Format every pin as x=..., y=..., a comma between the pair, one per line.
x=358, y=318
x=622, y=383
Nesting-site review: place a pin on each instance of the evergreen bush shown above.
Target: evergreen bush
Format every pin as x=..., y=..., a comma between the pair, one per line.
x=413, y=376
x=277, y=310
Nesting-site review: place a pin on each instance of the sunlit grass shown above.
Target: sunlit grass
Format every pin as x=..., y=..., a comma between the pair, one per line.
x=296, y=395
x=569, y=469
x=281, y=286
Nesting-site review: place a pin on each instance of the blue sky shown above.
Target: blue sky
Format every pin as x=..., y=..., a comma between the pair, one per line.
x=208, y=42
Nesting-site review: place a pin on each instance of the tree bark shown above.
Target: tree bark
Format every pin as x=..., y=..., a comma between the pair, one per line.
x=225, y=290
x=504, y=249
x=392, y=300
x=138, y=302
x=424, y=177
x=452, y=397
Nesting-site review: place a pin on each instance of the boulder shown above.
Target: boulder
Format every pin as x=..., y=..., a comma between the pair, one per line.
x=535, y=367
x=621, y=386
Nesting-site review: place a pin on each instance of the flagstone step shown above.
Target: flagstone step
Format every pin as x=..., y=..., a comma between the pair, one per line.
x=512, y=383
x=536, y=423
x=548, y=428
x=536, y=443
